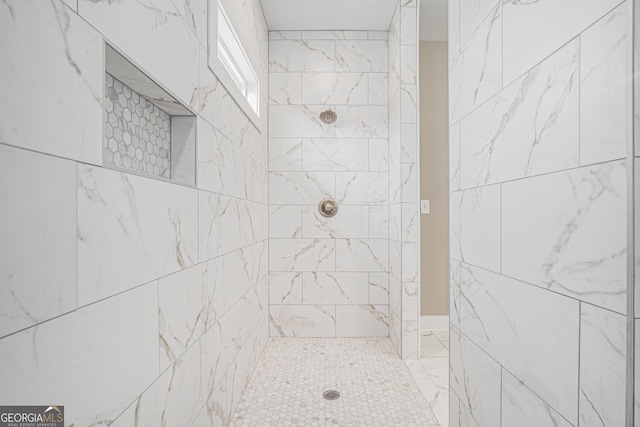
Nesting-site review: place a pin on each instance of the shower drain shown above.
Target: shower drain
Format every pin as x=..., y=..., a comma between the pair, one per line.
x=331, y=395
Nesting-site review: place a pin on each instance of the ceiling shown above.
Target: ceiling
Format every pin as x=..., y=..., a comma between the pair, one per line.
x=351, y=15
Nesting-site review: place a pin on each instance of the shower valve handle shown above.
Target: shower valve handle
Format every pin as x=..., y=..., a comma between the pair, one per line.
x=328, y=207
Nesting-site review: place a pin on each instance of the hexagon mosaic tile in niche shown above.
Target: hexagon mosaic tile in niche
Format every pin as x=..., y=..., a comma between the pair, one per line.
x=137, y=134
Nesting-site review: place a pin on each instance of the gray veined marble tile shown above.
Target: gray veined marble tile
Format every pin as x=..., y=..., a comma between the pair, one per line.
x=531, y=127
x=472, y=15
x=454, y=157
x=378, y=88
x=602, y=366
x=349, y=222
x=521, y=407
x=238, y=274
x=475, y=72
x=285, y=221
x=475, y=379
x=378, y=154
x=378, y=222
x=285, y=288
x=295, y=121
x=301, y=55
x=533, y=30
x=362, y=254
x=31, y=31
x=289, y=188
x=454, y=27
x=38, y=253
x=189, y=302
x=334, y=88
x=566, y=232
x=131, y=230
x=303, y=320
x=604, y=63
x=475, y=226
x=362, y=321
x=379, y=288
x=285, y=154
x=408, y=26
x=285, y=88
x=96, y=339
x=335, y=288
x=496, y=311
x=361, y=121
x=362, y=187
x=334, y=154
x=369, y=56
x=302, y=255
x=410, y=340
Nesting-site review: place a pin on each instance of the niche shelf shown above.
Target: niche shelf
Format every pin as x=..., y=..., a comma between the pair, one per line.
x=146, y=130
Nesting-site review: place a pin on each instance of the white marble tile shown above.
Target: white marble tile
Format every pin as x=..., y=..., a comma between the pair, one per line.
x=454, y=27
x=285, y=88
x=189, y=302
x=409, y=103
x=302, y=254
x=378, y=222
x=362, y=255
x=378, y=35
x=141, y=29
x=227, y=224
x=475, y=226
x=174, y=398
x=334, y=154
x=410, y=340
x=368, y=56
x=362, y=121
x=532, y=31
x=475, y=72
x=431, y=347
x=604, y=63
x=496, y=312
x=475, y=379
x=472, y=15
x=238, y=274
x=521, y=407
x=301, y=55
x=566, y=232
x=408, y=26
x=349, y=222
x=38, y=253
x=68, y=113
x=454, y=402
x=454, y=157
x=409, y=143
x=285, y=35
x=288, y=188
x=379, y=155
x=335, y=88
x=603, y=353
x=285, y=288
x=410, y=182
x=131, y=230
x=335, y=288
x=362, y=321
x=409, y=65
x=303, y=320
x=222, y=167
x=215, y=412
x=454, y=293
x=285, y=221
x=295, y=121
x=112, y=345
x=531, y=127
x=410, y=301
x=362, y=187
x=378, y=89
x=379, y=288
x=195, y=15
x=410, y=262
x=285, y=154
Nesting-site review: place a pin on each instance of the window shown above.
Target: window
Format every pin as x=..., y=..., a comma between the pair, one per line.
x=233, y=58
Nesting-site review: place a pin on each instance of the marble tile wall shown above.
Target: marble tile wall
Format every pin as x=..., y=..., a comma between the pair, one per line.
x=403, y=180
x=130, y=300
x=539, y=116
x=328, y=276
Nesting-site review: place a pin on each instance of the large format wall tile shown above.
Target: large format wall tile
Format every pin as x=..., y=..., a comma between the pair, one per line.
x=475, y=226
x=496, y=312
x=521, y=407
x=362, y=321
x=110, y=356
x=333, y=88
x=55, y=108
x=476, y=70
x=303, y=320
x=475, y=379
x=38, y=250
x=604, y=64
x=301, y=55
x=369, y=56
x=335, y=288
x=602, y=367
x=131, y=230
x=335, y=154
x=292, y=188
x=566, y=232
x=533, y=30
x=531, y=127
x=302, y=255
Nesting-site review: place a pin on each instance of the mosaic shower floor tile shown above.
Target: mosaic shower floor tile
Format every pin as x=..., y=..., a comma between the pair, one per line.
x=375, y=386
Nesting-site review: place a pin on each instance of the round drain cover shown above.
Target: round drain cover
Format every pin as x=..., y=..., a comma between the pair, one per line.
x=331, y=395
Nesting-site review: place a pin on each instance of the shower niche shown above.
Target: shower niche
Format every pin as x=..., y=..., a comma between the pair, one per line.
x=146, y=130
